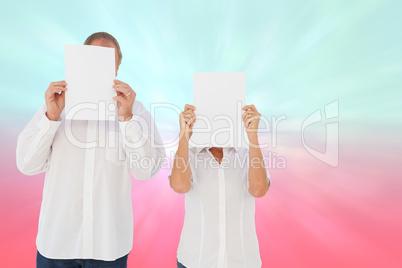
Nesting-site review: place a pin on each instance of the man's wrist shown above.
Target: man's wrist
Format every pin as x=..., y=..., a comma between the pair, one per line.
x=52, y=117
x=125, y=118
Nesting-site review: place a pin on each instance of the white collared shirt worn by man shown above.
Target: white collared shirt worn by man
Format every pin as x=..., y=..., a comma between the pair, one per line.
x=86, y=210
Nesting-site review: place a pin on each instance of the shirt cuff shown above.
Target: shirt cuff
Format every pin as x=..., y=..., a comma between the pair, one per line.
x=131, y=130
x=269, y=179
x=48, y=126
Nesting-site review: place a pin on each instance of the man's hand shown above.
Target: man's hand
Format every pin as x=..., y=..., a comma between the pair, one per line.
x=187, y=119
x=125, y=100
x=55, y=99
x=251, y=119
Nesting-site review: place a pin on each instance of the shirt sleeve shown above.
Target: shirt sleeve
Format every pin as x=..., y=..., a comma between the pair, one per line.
x=142, y=144
x=34, y=144
x=171, y=169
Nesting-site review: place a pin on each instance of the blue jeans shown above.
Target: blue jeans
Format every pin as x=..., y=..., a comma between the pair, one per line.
x=43, y=262
x=179, y=265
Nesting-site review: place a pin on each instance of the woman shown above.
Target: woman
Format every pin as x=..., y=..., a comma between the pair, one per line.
x=220, y=186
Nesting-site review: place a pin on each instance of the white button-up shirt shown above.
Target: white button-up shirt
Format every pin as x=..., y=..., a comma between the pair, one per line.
x=86, y=208
x=219, y=228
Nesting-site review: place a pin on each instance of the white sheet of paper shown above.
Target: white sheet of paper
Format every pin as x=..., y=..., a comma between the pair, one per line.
x=219, y=98
x=90, y=71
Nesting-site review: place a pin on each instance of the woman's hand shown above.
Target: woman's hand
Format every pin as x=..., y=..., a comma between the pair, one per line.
x=187, y=119
x=251, y=119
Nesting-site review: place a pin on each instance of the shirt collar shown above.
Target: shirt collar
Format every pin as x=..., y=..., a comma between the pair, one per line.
x=199, y=149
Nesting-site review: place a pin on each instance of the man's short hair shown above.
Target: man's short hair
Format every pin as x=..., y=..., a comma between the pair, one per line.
x=104, y=35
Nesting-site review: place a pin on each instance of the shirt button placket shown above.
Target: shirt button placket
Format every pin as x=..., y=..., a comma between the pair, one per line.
x=88, y=191
x=222, y=218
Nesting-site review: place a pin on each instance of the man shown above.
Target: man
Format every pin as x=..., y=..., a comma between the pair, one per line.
x=219, y=228
x=86, y=214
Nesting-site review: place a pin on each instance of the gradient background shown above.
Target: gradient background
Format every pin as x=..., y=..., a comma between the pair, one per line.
x=298, y=55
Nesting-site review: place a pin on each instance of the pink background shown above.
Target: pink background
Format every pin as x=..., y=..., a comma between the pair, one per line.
x=313, y=215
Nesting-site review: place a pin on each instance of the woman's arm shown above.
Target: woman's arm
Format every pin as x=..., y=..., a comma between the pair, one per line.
x=257, y=171
x=180, y=179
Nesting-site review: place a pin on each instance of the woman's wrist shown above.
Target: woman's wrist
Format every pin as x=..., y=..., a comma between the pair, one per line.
x=253, y=138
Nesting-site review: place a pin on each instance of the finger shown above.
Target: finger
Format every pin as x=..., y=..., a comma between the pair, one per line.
x=119, y=98
x=189, y=112
x=128, y=92
x=55, y=89
x=247, y=114
x=181, y=117
x=63, y=94
x=193, y=120
x=123, y=90
x=190, y=121
x=121, y=86
x=189, y=107
x=118, y=82
x=251, y=107
x=58, y=83
x=250, y=120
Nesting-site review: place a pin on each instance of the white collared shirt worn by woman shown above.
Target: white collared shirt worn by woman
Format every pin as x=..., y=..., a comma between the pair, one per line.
x=220, y=185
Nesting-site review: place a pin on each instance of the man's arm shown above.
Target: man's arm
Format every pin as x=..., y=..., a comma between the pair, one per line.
x=143, y=147
x=140, y=135
x=34, y=143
